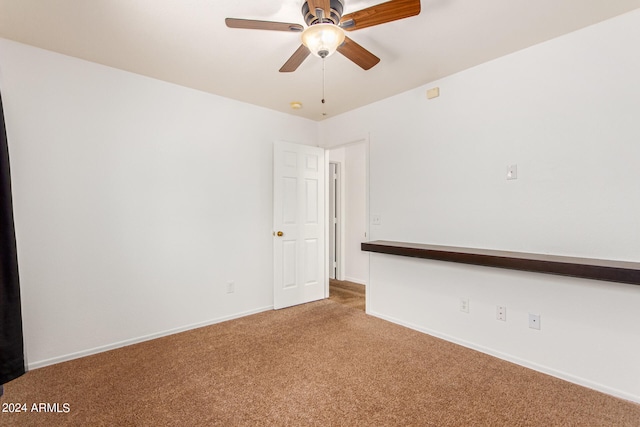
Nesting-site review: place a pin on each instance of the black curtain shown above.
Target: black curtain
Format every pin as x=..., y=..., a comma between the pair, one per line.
x=11, y=344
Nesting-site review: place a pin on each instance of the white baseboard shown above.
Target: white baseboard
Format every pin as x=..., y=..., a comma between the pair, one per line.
x=356, y=280
x=518, y=361
x=100, y=349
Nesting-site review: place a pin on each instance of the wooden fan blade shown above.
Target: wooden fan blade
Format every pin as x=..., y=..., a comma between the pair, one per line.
x=380, y=14
x=251, y=24
x=358, y=54
x=325, y=5
x=296, y=59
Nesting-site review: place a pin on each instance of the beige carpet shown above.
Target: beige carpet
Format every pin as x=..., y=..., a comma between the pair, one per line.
x=320, y=364
x=347, y=293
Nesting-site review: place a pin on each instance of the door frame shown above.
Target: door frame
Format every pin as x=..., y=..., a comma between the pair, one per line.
x=335, y=230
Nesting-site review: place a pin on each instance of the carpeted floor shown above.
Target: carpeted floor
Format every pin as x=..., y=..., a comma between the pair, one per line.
x=317, y=364
x=347, y=293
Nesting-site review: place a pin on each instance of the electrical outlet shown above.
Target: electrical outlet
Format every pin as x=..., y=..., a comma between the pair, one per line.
x=464, y=305
x=231, y=287
x=501, y=313
x=534, y=321
x=376, y=219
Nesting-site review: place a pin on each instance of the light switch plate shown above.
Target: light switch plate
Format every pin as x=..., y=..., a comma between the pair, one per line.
x=512, y=172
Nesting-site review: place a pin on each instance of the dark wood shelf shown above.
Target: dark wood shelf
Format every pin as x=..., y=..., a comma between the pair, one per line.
x=587, y=268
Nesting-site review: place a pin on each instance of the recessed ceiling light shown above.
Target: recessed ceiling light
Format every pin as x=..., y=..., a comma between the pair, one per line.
x=296, y=105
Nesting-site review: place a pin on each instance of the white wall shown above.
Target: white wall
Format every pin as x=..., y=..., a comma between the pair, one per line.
x=566, y=112
x=135, y=202
x=352, y=159
x=356, y=213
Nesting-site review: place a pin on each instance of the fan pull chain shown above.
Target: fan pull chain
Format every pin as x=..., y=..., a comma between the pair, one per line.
x=324, y=112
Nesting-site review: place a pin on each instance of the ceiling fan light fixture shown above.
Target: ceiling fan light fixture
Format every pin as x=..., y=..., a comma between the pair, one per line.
x=323, y=39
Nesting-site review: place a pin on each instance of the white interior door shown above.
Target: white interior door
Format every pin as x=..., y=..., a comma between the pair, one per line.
x=298, y=224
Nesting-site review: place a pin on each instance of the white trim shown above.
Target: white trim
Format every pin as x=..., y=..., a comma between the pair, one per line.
x=509, y=358
x=125, y=343
x=356, y=280
x=339, y=220
x=342, y=207
x=326, y=224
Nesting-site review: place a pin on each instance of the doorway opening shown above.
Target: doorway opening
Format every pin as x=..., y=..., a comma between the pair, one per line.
x=347, y=222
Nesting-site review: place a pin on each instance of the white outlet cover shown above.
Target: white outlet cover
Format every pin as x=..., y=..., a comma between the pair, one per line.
x=501, y=313
x=376, y=219
x=512, y=172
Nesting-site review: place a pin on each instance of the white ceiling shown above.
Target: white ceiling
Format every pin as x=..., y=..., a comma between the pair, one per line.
x=186, y=42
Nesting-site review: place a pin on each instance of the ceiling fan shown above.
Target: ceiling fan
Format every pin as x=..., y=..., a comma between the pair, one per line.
x=325, y=32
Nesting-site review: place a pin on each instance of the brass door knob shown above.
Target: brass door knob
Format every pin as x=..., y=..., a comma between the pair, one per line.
x=280, y=234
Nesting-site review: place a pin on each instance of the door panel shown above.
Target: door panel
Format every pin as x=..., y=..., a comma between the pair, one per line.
x=311, y=261
x=311, y=198
x=298, y=191
x=289, y=264
x=290, y=202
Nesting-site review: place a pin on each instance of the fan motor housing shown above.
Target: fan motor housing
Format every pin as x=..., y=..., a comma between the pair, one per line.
x=311, y=18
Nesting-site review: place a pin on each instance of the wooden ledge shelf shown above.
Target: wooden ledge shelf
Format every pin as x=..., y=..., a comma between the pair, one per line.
x=586, y=268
